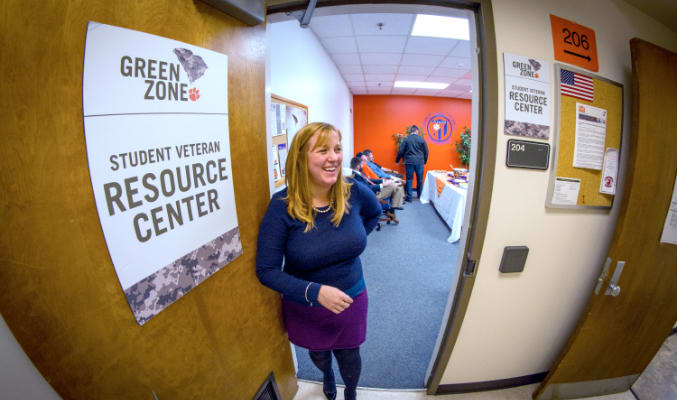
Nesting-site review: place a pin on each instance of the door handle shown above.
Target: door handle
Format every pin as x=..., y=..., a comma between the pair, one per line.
x=613, y=289
x=602, y=276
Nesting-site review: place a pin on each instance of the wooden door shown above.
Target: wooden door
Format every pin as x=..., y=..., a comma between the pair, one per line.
x=617, y=337
x=60, y=295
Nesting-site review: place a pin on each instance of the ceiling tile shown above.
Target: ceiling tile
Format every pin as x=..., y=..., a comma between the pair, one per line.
x=451, y=93
x=344, y=44
x=379, y=77
x=403, y=91
x=462, y=49
x=428, y=61
x=380, y=69
x=426, y=92
x=415, y=70
x=463, y=82
x=466, y=95
x=331, y=25
x=350, y=69
x=353, y=77
x=368, y=55
x=378, y=91
x=449, y=72
x=460, y=88
x=380, y=58
x=381, y=44
x=382, y=85
x=393, y=24
x=439, y=79
x=415, y=78
x=427, y=45
x=456, y=62
x=346, y=58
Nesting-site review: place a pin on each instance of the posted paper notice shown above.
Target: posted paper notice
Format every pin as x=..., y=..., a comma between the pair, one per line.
x=670, y=227
x=590, y=136
x=282, y=157
x=566, y=191
x=609, y=172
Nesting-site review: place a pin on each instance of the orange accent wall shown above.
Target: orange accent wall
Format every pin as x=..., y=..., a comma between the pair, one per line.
x=377, y=118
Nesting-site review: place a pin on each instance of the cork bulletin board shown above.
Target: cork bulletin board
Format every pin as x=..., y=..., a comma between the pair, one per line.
x=287, y=117
x=606, y=95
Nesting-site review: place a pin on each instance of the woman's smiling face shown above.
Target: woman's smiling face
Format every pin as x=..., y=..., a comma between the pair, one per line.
x=324, y=160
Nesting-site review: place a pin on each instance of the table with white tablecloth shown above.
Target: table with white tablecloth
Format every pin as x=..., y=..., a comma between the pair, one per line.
x=447, y=198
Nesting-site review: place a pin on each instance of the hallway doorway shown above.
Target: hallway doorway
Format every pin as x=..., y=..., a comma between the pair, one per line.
x=449, y=259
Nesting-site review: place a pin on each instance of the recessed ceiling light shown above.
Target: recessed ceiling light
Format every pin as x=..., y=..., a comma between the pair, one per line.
x=441, y=27
x=420, y=85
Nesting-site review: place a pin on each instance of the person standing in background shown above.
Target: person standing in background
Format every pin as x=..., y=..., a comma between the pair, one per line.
x=414, y=151
x=318, y=228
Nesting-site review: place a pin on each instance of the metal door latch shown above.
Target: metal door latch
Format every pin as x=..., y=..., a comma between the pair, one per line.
x=613, y=289
x=602, y=276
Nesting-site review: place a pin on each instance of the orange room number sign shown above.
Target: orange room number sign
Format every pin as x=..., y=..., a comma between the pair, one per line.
x=574, y=44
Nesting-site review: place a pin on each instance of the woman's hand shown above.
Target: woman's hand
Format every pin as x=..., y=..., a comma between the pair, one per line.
x=333, y=299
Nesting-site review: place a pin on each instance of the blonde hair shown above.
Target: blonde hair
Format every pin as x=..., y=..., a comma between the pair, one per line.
x=299, y=198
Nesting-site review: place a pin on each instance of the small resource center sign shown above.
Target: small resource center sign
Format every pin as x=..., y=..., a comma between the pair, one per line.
x=156, y=125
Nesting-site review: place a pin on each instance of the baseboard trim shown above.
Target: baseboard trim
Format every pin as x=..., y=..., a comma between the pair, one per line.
x=490, y=385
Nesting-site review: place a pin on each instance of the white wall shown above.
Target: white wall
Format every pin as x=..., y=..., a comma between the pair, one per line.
x=302, y=71
x=517, y=324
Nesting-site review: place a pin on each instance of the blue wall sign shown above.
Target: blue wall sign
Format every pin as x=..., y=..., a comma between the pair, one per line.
x=439, y=127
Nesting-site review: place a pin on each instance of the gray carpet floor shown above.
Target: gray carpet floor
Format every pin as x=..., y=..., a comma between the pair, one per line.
x=409, y=269
x=659, y=379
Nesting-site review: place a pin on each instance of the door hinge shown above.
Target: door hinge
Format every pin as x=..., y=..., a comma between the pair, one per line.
x=469, y=268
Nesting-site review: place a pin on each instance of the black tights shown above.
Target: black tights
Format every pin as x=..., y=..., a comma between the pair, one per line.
x=349, y=363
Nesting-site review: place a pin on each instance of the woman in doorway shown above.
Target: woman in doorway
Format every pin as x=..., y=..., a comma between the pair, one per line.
x=319, y=227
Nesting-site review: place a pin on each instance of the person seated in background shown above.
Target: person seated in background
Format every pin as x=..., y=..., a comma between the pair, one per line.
x=384, y=193
x=382, y=172
x=398, y=190
x=365, y=168
x=372, y=175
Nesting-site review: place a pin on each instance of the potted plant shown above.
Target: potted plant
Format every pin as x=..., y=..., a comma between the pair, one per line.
x=463, y=146
x=399, y=137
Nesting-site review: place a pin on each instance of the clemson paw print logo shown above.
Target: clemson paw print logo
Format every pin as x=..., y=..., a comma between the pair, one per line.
x=194, y=94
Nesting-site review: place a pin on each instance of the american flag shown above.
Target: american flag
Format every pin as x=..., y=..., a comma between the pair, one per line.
x=576, y=85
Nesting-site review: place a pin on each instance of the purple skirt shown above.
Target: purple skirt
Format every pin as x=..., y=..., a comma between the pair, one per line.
x=318, y=329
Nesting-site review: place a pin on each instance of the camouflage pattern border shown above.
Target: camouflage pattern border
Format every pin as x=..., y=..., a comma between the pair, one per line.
x=152, y=294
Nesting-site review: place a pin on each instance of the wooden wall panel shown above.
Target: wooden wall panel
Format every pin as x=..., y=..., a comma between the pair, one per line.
x=61, y=297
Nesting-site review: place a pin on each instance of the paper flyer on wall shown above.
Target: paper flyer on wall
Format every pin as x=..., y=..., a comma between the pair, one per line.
x=590, y=136
x=607, y=184
x=670, y=227
x=527, y=96
x=282, y=157
x=566, y=191
x=158, y=148
x=277, y=174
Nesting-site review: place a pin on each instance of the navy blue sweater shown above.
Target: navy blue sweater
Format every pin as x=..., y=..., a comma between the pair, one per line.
x=325, y=255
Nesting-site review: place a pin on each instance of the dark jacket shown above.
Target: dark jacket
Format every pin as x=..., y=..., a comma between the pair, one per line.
x=414, y=150
x=357, y=177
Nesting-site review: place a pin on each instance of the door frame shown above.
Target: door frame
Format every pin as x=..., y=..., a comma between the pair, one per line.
x=483, y=160
x=477, y=213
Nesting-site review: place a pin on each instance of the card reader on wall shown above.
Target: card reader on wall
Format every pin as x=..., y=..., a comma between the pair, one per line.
x=514, y=258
